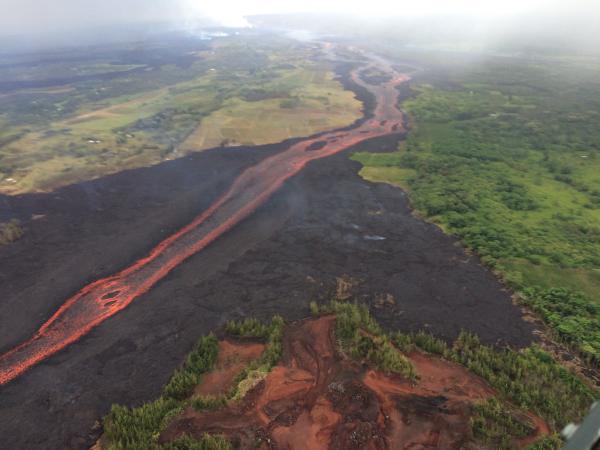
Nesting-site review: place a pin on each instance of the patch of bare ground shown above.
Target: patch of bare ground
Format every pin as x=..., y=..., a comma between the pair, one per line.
x=233, y=357
x=318, y=398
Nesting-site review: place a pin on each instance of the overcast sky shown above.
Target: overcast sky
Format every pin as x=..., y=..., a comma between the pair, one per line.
x=35, y=16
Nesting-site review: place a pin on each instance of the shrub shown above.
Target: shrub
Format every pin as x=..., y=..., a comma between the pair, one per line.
x=208, y=402
x=199, y=361
x=574, y=317
x=361, y=337
x=258, y=369
x=531, y=379
x=138, y=428
x=495, y=425
x=207, y=442
x=314, y=308
x=10, y=231
x=248, y=328
x=552, y=442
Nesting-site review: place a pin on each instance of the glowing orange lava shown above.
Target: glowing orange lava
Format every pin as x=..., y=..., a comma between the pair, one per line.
x=102, y=299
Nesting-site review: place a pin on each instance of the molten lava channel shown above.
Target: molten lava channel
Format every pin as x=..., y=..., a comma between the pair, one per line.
x=104, y=298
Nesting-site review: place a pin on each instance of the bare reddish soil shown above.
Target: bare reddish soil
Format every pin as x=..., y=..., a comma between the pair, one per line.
x=541, y=429
x=233, y=357
x=317, y=398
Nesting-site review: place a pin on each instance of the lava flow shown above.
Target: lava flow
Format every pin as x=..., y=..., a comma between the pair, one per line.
x=102, y=299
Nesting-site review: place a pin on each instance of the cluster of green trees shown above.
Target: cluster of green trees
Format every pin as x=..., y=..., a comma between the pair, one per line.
x=575, y=319
x=526, y=380
x=529, y=380
x=259, y=368
x=139, y=428
x=496, y=426
x=199, y=361
x=361, y=337
x=249, y=328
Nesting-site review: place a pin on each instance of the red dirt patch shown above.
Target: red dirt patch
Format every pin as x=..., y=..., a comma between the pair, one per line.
x=317, y=398
x=233, y=357
x=541, y=429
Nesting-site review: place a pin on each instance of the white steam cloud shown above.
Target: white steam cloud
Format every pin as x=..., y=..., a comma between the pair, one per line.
x=39, y=16
x=233, y=12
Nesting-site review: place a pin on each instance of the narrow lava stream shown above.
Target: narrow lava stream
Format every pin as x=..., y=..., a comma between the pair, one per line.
x=102, y=299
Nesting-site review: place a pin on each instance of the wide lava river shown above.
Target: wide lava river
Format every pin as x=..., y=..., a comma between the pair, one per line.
x=104, y=298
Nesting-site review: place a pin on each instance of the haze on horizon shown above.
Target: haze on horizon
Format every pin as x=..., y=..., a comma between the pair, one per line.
x=32, y=16
x=73, y=21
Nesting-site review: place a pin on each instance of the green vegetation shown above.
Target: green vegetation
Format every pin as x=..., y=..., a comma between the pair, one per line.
x=529, y=379
x=248, y=328
x=300, y=102
x=495, y=426
x=10, y=231
x=575, y=319
x=506, y=156
x=551, y=442
x=199, y=361
x=361, y=337
x=208, y=402
x=105, y=118
x=139, y=428
x=258, y=369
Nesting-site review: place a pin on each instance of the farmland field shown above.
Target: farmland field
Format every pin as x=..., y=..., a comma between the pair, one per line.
x=90, y=127
x=313, y=104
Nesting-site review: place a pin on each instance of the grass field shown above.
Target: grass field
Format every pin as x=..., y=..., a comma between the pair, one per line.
x=507, y=157
x=94, y=142
x=235, y=93
x=314, y=104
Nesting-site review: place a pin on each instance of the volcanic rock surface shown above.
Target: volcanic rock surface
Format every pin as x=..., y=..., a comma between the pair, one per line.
x=325, y=225
x=291, y=251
